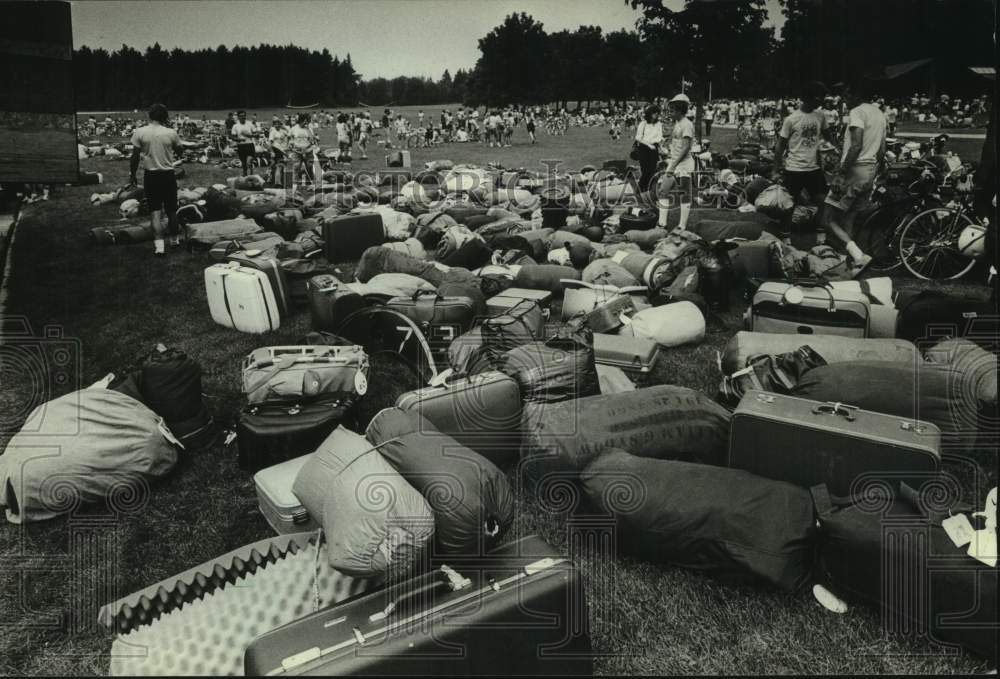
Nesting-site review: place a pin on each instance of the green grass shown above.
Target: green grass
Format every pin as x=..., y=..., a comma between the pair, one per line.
x=117, y=302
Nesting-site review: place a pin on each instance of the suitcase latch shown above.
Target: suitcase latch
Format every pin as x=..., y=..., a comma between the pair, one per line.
x=915, y=427
x=765, y=398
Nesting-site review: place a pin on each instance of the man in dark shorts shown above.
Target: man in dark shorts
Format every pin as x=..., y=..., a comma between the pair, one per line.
x=155, y=145
x=800, y=136
x=243, y=134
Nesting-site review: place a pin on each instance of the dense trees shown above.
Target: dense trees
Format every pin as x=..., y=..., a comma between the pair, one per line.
x=728, y=44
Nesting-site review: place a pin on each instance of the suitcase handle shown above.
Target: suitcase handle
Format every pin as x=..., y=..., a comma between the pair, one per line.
x=443, y=577
x=831, y=408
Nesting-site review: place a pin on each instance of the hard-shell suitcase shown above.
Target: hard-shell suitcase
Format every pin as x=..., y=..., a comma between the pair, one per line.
x=331, y=301
x=347, y=237
x=482, y=412
x=806, y=310
x=810, y=443
x=267, y=434
x=241, y=298
x=520, y=610
x=441, y=319
x=284, y=512
x=893, y=553
x=543, y=297
x=271, y=267
x=628, y=353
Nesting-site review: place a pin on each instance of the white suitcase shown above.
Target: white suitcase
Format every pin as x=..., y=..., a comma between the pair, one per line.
x=241, y=298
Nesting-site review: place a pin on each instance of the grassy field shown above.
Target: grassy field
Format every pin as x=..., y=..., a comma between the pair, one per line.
x=116, y=303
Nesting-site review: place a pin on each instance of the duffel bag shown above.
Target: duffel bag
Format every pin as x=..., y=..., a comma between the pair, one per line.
x=712, y=230
x=471, y=254
x=670, y=325
x=666, y=422
x=726, y=523
x=646, y=239
x=867, y=551
x=833, y=349
x=289, y=374
x=110, y=447
x=376, y=523
x=937, y=314
x=560, y=368
x=932, y=393
x=755, y=187
x=778, y=374
x=545, y=277
x=124, y=234
x=389, y=285
x=608, y=272
x=972, y=360
x=379, y=259
x=471, y=499
x=267, y=242
x=723, y=215
x=411, y=246
x=207, y=234
x=170, y=382
x=459, y=282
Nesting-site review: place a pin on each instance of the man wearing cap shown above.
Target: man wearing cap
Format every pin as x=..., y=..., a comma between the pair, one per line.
x=864, y=149
x=155, y=145
x=681, y=165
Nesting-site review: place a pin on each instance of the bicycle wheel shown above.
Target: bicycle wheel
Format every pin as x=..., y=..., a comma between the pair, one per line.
x=878, y=237
x=928, y=245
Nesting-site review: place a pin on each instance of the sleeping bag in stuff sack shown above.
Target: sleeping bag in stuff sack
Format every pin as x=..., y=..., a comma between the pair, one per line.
x=375, y=522
x=471, y=498
x=93, y=445
x=411, y=246
x=745, y=344
x=378, y=259
x=970, y=359
x=712, y=230
x=607, y=272
x=393, y=285
x=545, y=277
x=669, y=325
x=726, y=523
x=665, y=422
x=646, y=239
x=559, y=369
x=939, y=394
x=206, y=234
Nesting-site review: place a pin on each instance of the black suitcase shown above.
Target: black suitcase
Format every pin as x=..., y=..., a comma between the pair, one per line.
x=890, y=553
x=331, y=301
x=347, y=237
x=267, y=434
x=519, y=611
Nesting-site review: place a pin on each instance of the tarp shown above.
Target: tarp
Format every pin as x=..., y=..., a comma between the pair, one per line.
x=896, y=70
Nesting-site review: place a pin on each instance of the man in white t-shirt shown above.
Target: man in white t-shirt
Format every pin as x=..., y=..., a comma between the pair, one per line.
x=301, y=144
x=243, y=133
x=864, y=149
x=680, y=166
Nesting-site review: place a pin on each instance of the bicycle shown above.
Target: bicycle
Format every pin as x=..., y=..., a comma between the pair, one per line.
x=943, y=242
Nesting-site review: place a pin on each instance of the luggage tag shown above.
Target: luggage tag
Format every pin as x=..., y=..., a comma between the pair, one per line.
x=959, y=529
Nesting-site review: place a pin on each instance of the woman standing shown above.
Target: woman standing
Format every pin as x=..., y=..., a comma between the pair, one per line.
x=648, y=137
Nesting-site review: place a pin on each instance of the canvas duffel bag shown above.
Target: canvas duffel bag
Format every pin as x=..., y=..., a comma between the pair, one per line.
x=669, y=325
x=289, y=374
x=545, y=277
x=378, y=259
x=833, y=349
x=207, y=234
x=726, y=523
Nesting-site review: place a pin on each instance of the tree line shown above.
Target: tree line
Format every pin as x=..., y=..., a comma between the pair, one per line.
x=727, y=46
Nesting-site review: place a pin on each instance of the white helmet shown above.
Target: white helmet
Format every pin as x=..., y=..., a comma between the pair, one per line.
x=681, y=97
x=972, y=241
x=129, y=208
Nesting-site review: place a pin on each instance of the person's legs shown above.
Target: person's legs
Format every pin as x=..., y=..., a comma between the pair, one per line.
x=685, y=193
x=153, y=187
x=708, y=128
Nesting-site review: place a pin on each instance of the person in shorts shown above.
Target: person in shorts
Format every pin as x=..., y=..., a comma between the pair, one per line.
x=301, y=144
x=277, y=138
x=800, y=135
x=155, y=146
x=243, y=134
x=529, y=125
x=864, y=150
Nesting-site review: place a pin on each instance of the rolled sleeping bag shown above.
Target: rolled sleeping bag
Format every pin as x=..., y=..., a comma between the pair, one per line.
x=833, y=349
x=939, y=394
x=665, y=422
x=472, y=500
x=646, y=239
x=376, y=523
x=559, y=238
x=378, y=259
x=726, y=523
x=650, y=270
x=394, y=285
x=410, y=246
x=545, y=277
x=669, y=325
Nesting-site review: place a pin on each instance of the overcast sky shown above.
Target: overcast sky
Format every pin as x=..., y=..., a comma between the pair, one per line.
x=384, y=37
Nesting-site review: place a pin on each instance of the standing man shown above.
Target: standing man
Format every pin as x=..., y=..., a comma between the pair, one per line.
x=300, y=147
x=155, y=145
x=800, y=135
x=864, y=149
x=243, y=134
x=681, y=164
x=708, y=116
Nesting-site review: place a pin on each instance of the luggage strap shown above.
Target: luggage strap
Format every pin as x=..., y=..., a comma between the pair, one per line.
x=825, y=503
